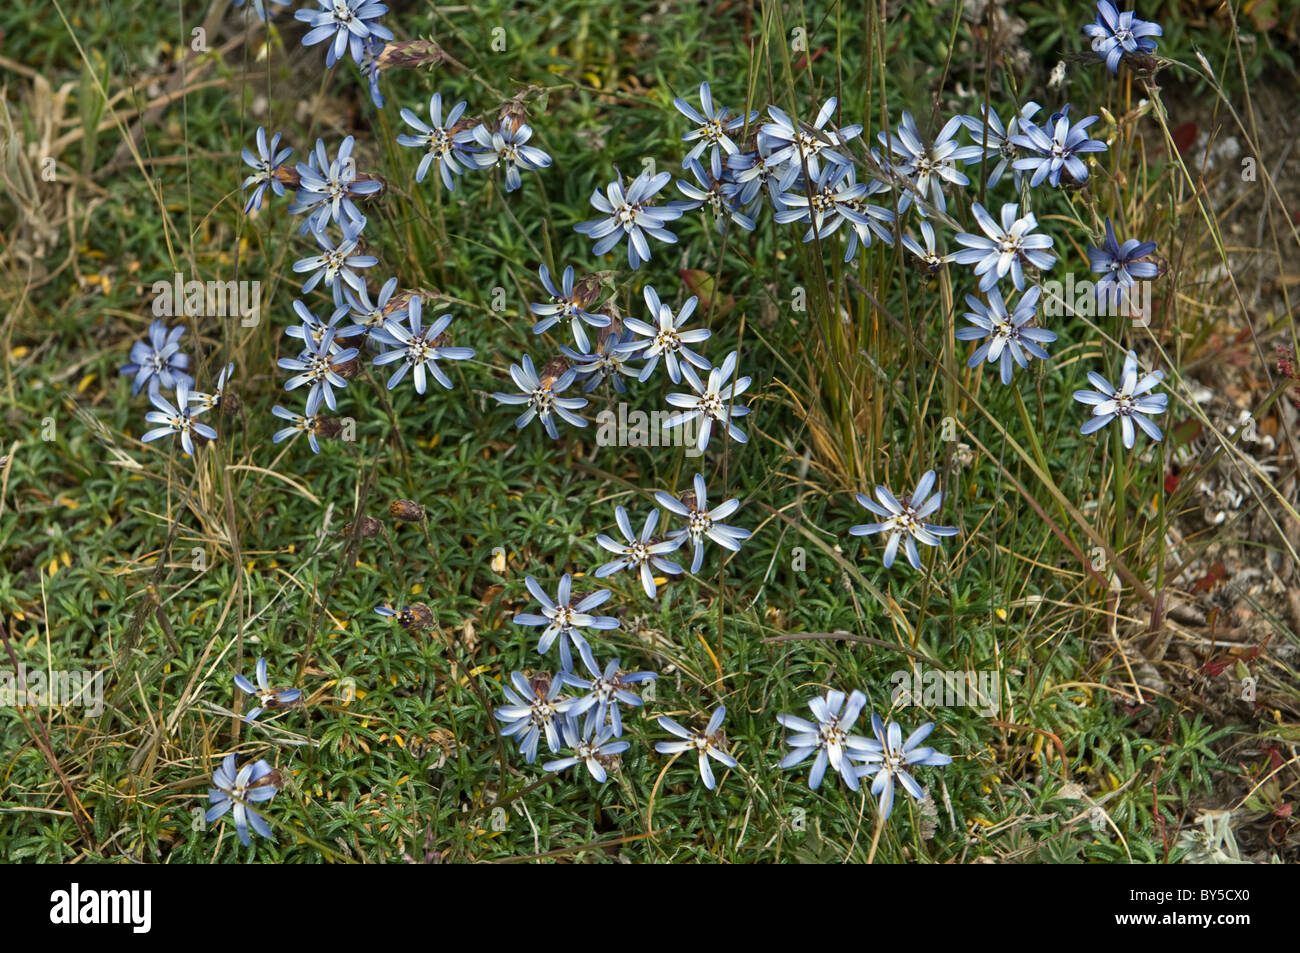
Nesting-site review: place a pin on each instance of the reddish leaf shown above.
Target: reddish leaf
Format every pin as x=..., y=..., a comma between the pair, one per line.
x=802, y=61
x=1215, y=669
x=1184, y=137
x=704, y=287
x=1212, y=578
x=1171, y=481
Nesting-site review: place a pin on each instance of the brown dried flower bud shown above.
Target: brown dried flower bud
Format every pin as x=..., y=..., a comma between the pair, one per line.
x=408, y=511
x=348, y=369
x=415, y=618
x=408, y=54
x=328, y=427
x=587, y=290
x=370, y=528
x=288, y=176
x=554, y=370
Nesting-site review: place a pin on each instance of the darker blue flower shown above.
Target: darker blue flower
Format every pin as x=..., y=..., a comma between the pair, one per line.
x=158, y=361
x=1115, y=35
x=267, y=697
x=1120, y=264
x=253, y=783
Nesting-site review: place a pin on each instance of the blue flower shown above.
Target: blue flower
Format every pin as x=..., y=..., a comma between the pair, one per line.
x=562, y=617
x=713, y=126
x=617, y=346
x=829, y=737
x=903, y=521
x=929, y=257
x=604, y=691
x=326, y=188
x=372, y=316
x=706, y=743
x=565, y=305
x=158, y=361
x=1120, y=264
x=638, y=555
x=206, y=402
x=703, y=522
x=1056, y=150
x=1009, y=337
x=442, y=145
x=666, y=337
x=370, y=68
x=267, y=697
x=1005, y=248
x=508, y=145
x=253, y=783
x=791, y=146
x=316, y=366
x=417, y=347
x=310, y=425
x=927, y=167
x=313, y=328
x=891, y=756
x=712, y=402
x=336, y=260
x=1116, y=34
x=836, y=198
x=995, y=140
x=630, y=214
x=175, y=420
x=531, y=714
x=266, y=164
x=748, y=178
x=542, y=397
x=347, y=24
x=866, y=219
x=587, y=749
x=258, y=7
x=1125, y=402
x=711, y=191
